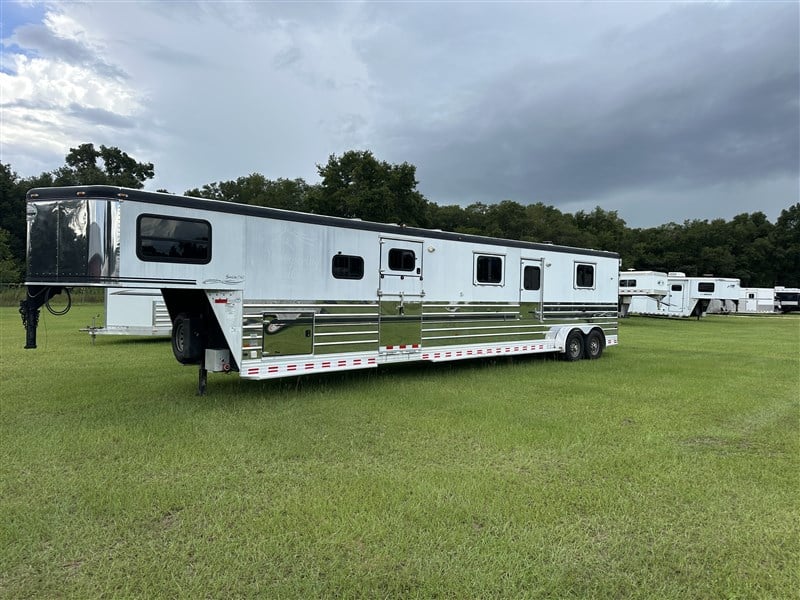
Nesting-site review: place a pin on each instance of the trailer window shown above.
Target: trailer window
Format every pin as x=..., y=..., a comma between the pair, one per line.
x=676, y=288
x=584, y=276
x=627, y=283
x=402, y=259
x=171, y=239
x=705, y=286
x=532, y=278
x=344, y=266
x=489, y=269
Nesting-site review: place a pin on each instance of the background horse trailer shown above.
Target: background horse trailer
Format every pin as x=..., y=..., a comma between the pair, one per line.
x=787, y=299
x=651, y=284
x=273, y=293
x=687, y=296
x=756, y=300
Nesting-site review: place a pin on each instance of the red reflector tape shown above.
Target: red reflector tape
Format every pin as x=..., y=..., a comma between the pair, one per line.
x=220, y=300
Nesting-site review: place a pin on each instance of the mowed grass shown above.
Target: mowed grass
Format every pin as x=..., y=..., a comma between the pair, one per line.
x=667, y=469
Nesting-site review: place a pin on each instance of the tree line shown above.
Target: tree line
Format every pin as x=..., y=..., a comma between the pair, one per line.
x=358, y=185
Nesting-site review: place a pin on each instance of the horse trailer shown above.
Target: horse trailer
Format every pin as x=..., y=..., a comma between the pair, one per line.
x=650, y=284
x=687, y=296
x=272, y=293
x=757, y=300
x=787, y=299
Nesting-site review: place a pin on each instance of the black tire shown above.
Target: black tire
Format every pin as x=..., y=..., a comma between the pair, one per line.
x=573, y=348
x=595, y=344
x=186, y=340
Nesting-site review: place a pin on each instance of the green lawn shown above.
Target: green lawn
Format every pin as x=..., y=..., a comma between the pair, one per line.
x=668, y=469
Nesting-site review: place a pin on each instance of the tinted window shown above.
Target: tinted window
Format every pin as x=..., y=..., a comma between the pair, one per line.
x=347, y=267
x=705, y=286
x=401, y=259
x=169, y=239
x=676, y=287
x=532, y=278
x=489, y=269
x=584, y=276
x=627, y=283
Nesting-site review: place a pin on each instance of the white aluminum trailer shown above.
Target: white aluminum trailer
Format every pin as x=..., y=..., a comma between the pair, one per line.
x=650, y=284
x=687, y=296
x=756, y=300
x=135, y=312
x=272, y=293
x=787, y=299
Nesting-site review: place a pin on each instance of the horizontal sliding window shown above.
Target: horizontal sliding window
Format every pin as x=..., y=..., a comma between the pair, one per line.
x=705, y=286
x=402, y=259
x=627, y=283
x=173, y=239
x=345, y=266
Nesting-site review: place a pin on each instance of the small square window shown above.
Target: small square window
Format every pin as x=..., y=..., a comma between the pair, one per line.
x=532, y=278
x=489, y=269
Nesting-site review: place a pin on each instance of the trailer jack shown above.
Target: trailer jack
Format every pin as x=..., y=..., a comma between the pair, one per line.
x=202, y=379
x=37, y=296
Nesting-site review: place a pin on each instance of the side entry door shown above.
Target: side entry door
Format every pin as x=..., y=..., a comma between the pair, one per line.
x=530, y=293
x=400, y=292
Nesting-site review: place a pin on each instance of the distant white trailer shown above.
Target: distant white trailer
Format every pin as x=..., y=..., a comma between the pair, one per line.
x=687, y=296
x=649, y=284
x=133, y=311
x=756, y=300
x=787, y=299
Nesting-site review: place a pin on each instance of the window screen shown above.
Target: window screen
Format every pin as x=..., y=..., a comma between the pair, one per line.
x=401, y=259
x=584, y=276
x=170, y=239
x=531, y=278
x=489, y=269
x=344, y=266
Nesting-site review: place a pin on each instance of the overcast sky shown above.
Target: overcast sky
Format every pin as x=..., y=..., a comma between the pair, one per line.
x=660, y=111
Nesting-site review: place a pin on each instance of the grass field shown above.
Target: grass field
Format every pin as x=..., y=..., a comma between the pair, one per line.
x=670, y=468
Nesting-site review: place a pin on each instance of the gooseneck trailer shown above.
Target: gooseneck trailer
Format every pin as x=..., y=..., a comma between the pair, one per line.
x=687, y=296
x=272, y=293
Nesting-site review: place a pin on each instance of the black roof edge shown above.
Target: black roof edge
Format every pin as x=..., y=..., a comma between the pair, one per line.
x=129, y=194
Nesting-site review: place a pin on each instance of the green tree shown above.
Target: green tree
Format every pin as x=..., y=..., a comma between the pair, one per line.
x=10, y=265
x=357, y=185
x=255, y=189
x=12, y=211
x=115, y=167
x=786, y=243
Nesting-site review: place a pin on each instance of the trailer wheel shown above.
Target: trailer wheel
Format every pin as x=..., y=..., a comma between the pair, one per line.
x=594, y=345
x=186, y=343
x=573, y=349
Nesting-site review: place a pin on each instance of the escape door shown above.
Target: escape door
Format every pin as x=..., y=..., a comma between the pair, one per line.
x=530, y=289
x=400, y=294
